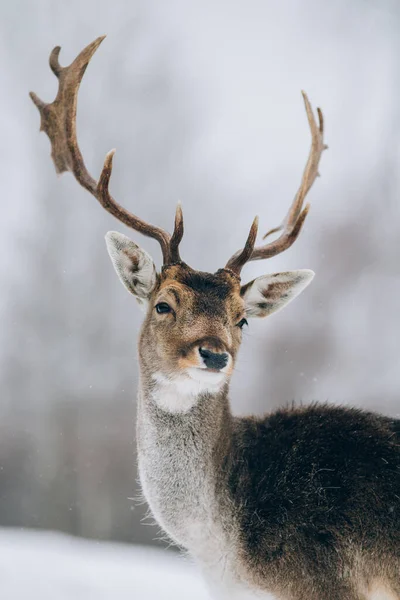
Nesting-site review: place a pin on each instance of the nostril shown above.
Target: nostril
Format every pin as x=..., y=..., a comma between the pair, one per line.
x=213, y=360
x=205, y=353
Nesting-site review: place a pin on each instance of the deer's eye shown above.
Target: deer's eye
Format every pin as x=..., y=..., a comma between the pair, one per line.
x=242, y=323
x=162, y=308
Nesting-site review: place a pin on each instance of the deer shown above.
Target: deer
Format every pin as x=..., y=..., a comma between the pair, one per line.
x=302, y=503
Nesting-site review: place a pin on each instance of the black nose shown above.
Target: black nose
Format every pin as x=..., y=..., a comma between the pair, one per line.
x=213, y=360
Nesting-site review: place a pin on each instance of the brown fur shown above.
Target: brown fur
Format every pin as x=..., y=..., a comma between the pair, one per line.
x=207, y=309
x=310, y=495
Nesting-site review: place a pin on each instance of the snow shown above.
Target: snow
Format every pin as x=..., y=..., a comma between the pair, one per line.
x=54, y=566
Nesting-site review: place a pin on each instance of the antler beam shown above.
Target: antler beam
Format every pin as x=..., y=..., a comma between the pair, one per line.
x=58, y=121
x=296, y=215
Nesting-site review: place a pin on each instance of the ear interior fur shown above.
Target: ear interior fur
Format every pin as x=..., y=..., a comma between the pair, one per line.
x=269, y=293
x=134, y=266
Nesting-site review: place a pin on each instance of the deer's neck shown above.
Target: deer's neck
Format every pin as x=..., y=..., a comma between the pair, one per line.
x=183, y=441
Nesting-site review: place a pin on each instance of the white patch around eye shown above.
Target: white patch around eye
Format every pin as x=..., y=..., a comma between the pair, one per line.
x=179, y=394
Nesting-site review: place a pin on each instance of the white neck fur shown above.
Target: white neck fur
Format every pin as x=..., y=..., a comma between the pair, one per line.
x=180, y=394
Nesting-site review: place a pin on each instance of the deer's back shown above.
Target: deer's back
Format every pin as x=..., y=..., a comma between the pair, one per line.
x=316, y=495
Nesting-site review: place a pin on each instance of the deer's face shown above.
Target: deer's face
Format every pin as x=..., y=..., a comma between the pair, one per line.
x=194, y=324
x=194, y=321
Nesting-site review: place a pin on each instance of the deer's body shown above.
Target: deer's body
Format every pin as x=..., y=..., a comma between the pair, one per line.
x=276, y=504
x=303, y=504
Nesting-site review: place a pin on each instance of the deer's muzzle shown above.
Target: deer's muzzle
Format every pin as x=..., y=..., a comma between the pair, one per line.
x=213, y=360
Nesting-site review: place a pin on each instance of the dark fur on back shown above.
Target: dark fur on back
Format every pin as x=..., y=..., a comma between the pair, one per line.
x=316, y=492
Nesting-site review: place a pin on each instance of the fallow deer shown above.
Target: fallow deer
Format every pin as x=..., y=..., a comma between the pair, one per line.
x=300, y=504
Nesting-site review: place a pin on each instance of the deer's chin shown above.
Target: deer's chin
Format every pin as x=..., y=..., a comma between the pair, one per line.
x=208, y=377
x=179, y=393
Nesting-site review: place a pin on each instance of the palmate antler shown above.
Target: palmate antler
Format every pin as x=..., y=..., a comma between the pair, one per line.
x=296, y=215
x=58, y=120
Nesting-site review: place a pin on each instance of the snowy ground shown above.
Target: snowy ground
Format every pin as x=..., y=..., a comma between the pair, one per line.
x=52, y=566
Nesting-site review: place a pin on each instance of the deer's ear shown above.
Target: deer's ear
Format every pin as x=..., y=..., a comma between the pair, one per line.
x=134, y=266
x=270, y=293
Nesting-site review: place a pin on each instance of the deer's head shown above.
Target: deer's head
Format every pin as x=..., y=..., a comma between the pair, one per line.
x=194, y=320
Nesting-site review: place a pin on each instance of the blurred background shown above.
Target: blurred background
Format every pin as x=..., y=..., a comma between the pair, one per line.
x=202, y=101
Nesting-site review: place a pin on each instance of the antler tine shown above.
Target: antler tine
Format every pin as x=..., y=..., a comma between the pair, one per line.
x=296, y=215
x=241, y=258
x=58, y=120
x=177, y=235
x=107, y=201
